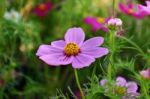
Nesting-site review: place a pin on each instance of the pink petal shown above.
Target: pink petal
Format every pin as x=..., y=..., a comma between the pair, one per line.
x=95, y=52
x=145, y=74
x=59, y=44
x=92, y=21
x=104, y=29
x=93, y=42
x=75, y=35
x=103, y=82
x=131, y=87
x=47, y=49
x=56, y=59
x=148, y=3
x=130, y=5
x=82, y=60
x=120, y=81
x=123, y=8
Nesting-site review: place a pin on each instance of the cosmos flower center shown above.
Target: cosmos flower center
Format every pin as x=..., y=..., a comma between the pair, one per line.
x=42, y=7
x=71, y=49
x=120, y=90
x=130, y=11
x=100, y=20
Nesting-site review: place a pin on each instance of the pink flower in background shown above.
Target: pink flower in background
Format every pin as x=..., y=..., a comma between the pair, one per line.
x=132, y=10
x=42, y=9
x=128, y=90
x=145, y=74
x=97, y=23
x=78, y=94
x=145, y=9
x=2, y=82
x=73, y=50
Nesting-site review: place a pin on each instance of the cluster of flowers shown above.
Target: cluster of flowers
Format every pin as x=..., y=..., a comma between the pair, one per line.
x=127, y=90
x=40, y=10
x=74, y=50
x=139, y=11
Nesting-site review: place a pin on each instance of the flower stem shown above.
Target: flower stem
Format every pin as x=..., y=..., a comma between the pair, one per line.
x=111, y=47
x=145, y=89
x=113, y=9
x=78, y=83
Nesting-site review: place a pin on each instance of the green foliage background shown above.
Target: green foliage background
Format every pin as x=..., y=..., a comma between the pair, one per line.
x=24, y=76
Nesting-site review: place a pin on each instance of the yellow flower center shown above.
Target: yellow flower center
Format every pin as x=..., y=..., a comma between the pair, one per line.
x=130, y=11
x=42, y=7
x=100, y=20
x=71, y=49
x=120, y=90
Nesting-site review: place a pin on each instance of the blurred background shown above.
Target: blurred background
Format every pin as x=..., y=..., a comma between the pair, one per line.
x=26, y=24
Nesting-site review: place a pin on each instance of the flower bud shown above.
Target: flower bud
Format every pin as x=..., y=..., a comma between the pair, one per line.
x=145, y=74
x=114, y=23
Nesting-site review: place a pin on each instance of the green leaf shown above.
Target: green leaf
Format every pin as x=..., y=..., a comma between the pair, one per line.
x=2, y=8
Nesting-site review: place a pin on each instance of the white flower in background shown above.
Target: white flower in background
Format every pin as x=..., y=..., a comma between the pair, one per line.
x=115, y=22
x=12, y=15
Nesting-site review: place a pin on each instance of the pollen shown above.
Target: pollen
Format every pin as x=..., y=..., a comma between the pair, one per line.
x=71, y=49
x=100, y=20
x=120, y=90
x=42, y=7
x=130, y=11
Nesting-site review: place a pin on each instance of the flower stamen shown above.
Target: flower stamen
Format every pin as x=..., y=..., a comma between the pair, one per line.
x=71, y=49
x=130, y=11
x=42, y=7
x=120, y=90
x=100, y=20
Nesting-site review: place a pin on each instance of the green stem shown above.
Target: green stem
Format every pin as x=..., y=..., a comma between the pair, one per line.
x=113, y=8
x=111, y=47
x=145, y=90
x=78, y=83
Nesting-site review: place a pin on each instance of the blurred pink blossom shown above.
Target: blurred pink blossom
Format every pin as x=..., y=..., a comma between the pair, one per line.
x=97, y=23
x=42, y=9
x=145, y=74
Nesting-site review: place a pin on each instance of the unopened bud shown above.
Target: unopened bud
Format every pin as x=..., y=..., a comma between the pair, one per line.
x=114, y=23
x=145, y=74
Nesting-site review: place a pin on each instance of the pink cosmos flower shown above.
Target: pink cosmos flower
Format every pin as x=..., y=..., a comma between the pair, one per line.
x=73, y=50
x=42, y=9
x=97, y=23
x=145, y=9
x=122, y=87
x=145, y=74
x=132, y=10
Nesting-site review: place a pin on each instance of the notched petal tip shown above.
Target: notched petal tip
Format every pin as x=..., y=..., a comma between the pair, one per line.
x=75, y=35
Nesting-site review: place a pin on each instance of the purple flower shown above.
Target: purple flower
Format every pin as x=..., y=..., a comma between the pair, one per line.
x=73, y=50
x=132, y=10
x=97, y=23
x=145, y=74
x=42, y=9
x=128, y=90
x=103, y=82
x=144, y=9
